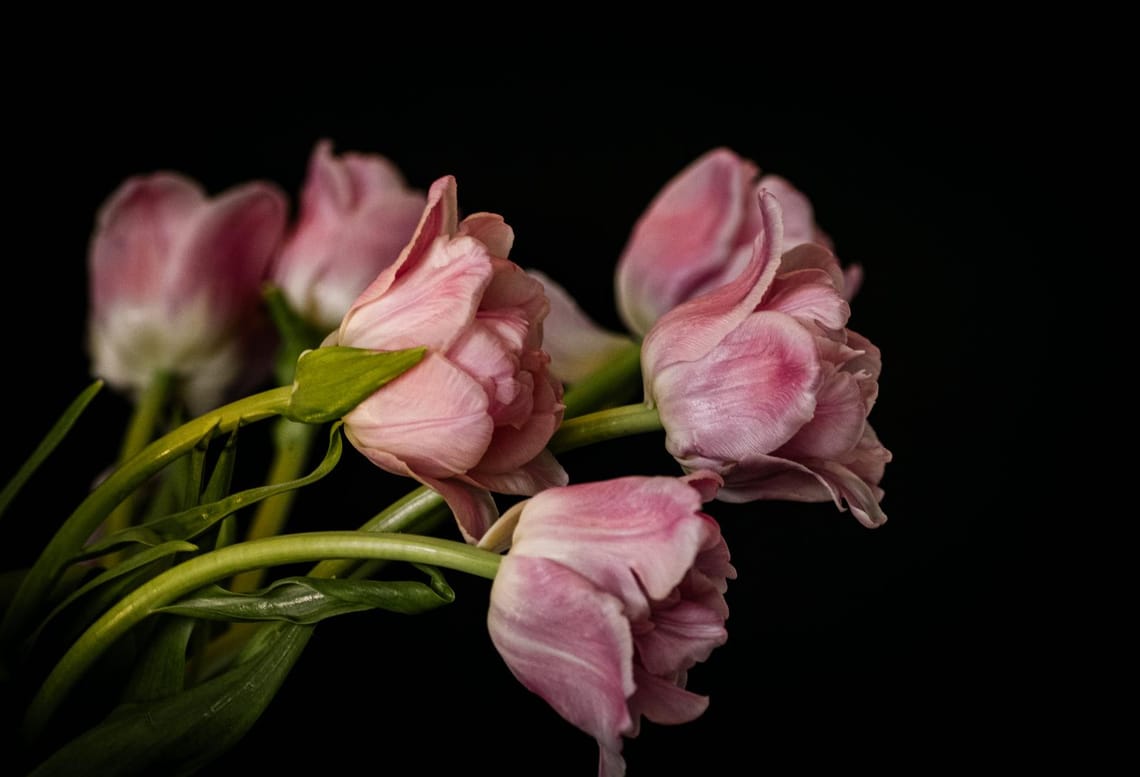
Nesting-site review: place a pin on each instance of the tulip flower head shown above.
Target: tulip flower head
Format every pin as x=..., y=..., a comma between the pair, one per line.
x=761, y=381
x=476, y=414
x=697, y=235
x=175, y=282
x=610, y=593
x=356, y=215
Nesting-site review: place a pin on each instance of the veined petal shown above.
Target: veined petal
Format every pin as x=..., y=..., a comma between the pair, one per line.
x=430, y=302
x=692, y=329
x=838, y=421
x=664, y=700
x=633, y=536
x=799, y=215
x=684, y=236
x=433, y=418
x=491, y=230
x=809, y=296
x=681, y=635
x=751, y=393
x=567, y=641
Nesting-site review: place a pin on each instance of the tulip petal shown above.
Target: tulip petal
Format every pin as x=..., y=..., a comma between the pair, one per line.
x=433, y=418
x=664, y=701
x=690, y=330
x=799, y=215
x=568, y=642
x=681, y=636
x=808, y=296
x=231, y=247
x=430, y=302
x=137, y=232
x=530, y=477
x=633, y=536
x=683, y=236
x=491, y=230
x=838, y=421
x=750, y=394
x=577, y=346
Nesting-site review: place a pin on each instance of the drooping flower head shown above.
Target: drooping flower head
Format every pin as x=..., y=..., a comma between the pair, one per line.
x=761, y=381
x=175, y=285
x=356, y=215
x=476, y=414
x=611, y=592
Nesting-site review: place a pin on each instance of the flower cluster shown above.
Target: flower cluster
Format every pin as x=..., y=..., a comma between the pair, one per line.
x=405, y=327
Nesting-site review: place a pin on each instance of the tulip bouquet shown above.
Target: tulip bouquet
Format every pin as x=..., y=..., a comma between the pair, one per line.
x=383, y=315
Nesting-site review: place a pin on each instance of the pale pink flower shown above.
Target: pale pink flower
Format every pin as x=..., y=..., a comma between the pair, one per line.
x=476, y=414
x=610, y=593
x=761, y=381
x=175, y=285
x=697, y=235
x=356, y=215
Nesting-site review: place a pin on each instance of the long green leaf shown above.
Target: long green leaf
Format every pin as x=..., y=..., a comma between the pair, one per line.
x=188, y=524
x=48, y=444
x=177, y=735
x=309, y=600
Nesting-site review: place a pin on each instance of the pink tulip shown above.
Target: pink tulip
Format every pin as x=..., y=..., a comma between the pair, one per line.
x=697, y=235
x=175, y=283
x=610, y=593
x=761, y=381
x=477, y=412
x=356, y=214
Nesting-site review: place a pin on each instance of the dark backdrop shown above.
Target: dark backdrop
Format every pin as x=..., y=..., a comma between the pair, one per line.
x=847, y=646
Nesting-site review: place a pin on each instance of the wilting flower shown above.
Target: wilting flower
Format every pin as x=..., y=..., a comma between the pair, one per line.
x=175, y=283
x=697, y=235
x=478, y=411
x=610, y=593
x=356, y=214
x=761, y=381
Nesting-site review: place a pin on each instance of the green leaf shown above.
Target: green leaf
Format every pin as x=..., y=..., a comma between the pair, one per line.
x=308, y=600
x=331, y=381
x=161, y=670
x=48, y=444
x=128, y=574
x=187, y=524
x=177, y=735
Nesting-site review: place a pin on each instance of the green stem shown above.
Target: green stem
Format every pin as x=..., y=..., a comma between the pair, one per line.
x=605, y=425
x=216, y=565
x=293, y=442
x=617, y=381
x=140, y=431
x=69, y=540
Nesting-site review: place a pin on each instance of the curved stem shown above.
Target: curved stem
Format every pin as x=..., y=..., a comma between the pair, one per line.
x=68, y=541
x=215, y=565
x=605, y=425
x=619, y=380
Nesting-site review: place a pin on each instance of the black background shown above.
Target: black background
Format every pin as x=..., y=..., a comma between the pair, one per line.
x=924, y=642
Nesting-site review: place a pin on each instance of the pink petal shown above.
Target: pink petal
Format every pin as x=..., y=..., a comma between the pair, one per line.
x=770, y=477
x=689, y=331
x=433, y=418
x=512, y=446
x=750, y=394
x=577, y=346
x=634, y=536
x=799, y=216
x=473, y=507
x=538, y=474
x=808, y=296
x=862, y=498
x=836, y=426
x=136, y=235
x=664, y=701
x=491, y=230
x=430, y=302
x=685, y=235
x=567, y=641
x=679, y=637
x=230, y=247
x=810, y=256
